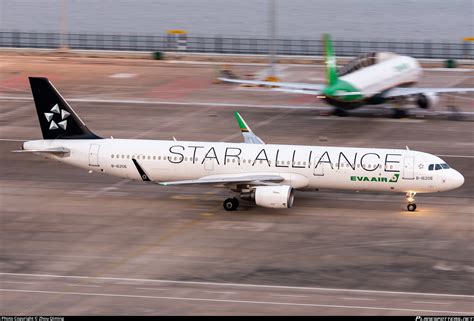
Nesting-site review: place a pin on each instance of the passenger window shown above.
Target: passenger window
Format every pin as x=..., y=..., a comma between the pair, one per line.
x=112, y=155
x=438, y=167
x=430, y=168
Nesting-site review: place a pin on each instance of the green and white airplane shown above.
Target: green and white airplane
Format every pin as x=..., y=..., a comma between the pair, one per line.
x=370, y=79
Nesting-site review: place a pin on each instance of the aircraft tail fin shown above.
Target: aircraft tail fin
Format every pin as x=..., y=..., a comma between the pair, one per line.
x=57, y=119
x=329, y=60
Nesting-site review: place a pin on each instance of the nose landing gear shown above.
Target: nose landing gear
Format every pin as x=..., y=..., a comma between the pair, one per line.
x=411, y=207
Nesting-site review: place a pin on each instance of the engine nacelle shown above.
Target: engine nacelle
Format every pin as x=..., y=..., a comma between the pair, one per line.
x=271, y=196
x=427, y=100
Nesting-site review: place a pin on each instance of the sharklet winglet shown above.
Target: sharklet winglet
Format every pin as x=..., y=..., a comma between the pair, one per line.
x=249, y=136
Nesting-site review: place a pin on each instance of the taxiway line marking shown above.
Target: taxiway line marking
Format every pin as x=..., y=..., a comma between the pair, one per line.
x=237, y=301
x=290, y=295
x=360, y=299
x=207, y=104
x=219, y=292
x=84, y=285
x=159, y=102
x=429, y=302
x=237, y=285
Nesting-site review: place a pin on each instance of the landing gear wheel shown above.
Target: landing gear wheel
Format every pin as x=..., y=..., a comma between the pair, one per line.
x=411, y=207
x=231, y=204
x=340, y=112
x=399, y=113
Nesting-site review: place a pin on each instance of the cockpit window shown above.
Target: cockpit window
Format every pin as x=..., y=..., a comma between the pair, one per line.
x=437, y=167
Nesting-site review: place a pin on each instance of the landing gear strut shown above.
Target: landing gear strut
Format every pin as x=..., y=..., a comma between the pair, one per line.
x=231, y=204
x=399, y=113
x=340, y=112
x=411, y=207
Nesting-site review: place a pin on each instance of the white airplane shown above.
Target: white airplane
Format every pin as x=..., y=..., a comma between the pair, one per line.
x=370, y=79
x=263, y=173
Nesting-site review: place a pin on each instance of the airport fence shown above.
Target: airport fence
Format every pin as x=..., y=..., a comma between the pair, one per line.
x=233, y=45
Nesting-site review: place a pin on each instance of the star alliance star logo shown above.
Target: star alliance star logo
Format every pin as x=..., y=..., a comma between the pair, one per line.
x=52, y=124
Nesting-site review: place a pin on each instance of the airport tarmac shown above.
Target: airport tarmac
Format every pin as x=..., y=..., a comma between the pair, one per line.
x=78, y=243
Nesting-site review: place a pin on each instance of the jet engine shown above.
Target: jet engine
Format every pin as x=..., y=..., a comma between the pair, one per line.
x=427, y=100
x=271, y=196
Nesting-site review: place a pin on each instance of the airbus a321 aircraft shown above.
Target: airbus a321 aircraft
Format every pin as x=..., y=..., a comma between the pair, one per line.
x=266, y=174
x=370, y=79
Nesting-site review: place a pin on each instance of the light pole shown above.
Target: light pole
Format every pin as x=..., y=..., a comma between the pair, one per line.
x=63, y=27
x=272, y=34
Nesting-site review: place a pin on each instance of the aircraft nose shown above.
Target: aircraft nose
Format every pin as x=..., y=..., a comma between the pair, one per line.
x=455, y=179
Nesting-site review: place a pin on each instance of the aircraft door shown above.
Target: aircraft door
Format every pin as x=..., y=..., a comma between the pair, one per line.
x=319, y=170
x=209, y=164
x=409, y=167
x=94, y=155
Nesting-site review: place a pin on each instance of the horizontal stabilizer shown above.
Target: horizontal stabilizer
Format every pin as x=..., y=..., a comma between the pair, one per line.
x=54, y=150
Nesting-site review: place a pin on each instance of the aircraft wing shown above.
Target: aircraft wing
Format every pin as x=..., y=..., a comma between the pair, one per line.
x=257, y=179
x=249, y=136
x=299, y=91
x=316, y=92
x=54, y=150
x=294, y=85
x=250, y=179
x=409, y=91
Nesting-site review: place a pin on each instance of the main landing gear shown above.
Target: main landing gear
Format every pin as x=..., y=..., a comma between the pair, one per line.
x=340, y=112
x=399, y=113
x=231, y=204
x=411, y=207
